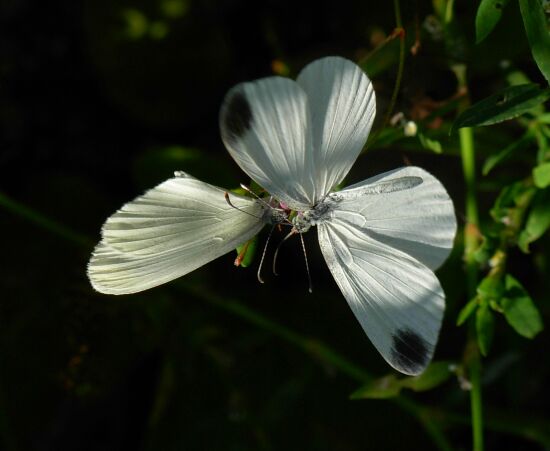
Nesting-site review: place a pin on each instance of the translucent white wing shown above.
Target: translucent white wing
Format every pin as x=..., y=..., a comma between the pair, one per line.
x=170, y=231
x=398, y=301
x=407, y=209
x=343, y=106
x=299, y=139
x=265, y=126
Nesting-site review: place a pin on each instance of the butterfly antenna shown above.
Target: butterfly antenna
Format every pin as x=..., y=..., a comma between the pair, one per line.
x=307, y=264
x=292, y=232
x=249, y=191
x=226, y=195
x=258, y=274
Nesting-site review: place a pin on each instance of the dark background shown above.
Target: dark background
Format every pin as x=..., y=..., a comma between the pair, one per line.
x=102, y=99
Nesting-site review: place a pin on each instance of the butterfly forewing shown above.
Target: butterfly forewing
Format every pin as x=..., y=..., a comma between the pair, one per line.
x=170, y=231
x=265, y=125
x=343, y=106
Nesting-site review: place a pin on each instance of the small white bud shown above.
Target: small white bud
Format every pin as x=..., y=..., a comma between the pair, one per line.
x=410, y=128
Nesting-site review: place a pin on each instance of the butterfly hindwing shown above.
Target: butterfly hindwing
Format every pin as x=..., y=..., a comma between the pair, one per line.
x=407, y=208
x=397, y=300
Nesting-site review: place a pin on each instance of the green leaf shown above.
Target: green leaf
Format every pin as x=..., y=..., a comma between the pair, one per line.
x=510, y=197
x=434, y=375
x=538, y=36
x=383, y=388
x=430, y=144
x=541, y=175
x=519, y=309
x=506, y=153
x=490, y=287
x=538, y=220
x=485, y=325
x=517, y=77
x=488, y=15
x=466, y=311
x=507, y=104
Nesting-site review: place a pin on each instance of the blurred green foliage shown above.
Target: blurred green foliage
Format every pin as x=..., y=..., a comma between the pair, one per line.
x=102, y=99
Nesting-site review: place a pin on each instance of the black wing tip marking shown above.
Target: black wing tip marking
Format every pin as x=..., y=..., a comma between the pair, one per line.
x=410, y=351
x=237, y=116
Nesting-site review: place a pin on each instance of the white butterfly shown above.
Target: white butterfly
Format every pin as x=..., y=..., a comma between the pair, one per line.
x=381, y=238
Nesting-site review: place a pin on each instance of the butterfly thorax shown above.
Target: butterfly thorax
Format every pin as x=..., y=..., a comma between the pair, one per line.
x=304, y=220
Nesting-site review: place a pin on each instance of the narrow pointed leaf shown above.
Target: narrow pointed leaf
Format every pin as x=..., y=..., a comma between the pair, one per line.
x=536, y=28
x=507, y=104
x=506, y=153
x=466, y=312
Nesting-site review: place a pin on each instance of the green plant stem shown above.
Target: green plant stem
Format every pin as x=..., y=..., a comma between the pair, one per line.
x=43, y=221
x=471, y=233
x=476, y=401
x=399, y=31
x=471, y=242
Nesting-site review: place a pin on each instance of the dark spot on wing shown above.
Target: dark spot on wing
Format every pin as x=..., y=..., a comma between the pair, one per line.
x=237, y=117
x=410, y=351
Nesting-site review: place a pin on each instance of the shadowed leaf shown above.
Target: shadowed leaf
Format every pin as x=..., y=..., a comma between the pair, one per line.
x=519, y=309
x=507, y=104
x=537, y=32
x=488, y=15
x=505, y=154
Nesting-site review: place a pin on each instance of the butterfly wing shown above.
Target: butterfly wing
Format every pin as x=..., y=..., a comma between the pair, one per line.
x=381, y=242
x=343, y=106
x=168, y=232
x=408, y=209
x=265, y=126
x=397, y=300
x=299, y=139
